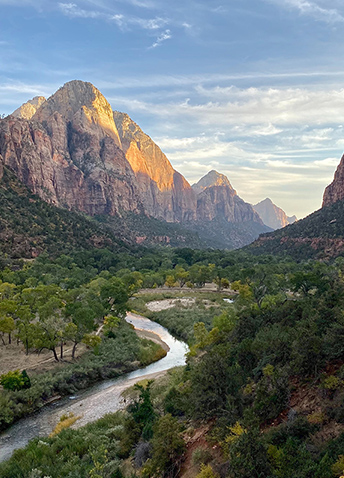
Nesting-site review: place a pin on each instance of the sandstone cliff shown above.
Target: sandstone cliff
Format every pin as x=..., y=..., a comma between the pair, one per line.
x=335, y=191
x=217, y=198
x=165, y=193
x=75, y=152
x=272, y=215
x=69, y=153
x=28, y=109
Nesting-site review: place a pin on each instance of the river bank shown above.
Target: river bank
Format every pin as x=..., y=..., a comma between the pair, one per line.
x=97, y=401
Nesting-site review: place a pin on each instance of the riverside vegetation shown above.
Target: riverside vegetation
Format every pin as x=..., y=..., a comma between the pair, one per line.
x=265, y=375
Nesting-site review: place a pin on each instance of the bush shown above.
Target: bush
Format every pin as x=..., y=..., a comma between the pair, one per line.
x=15, y=380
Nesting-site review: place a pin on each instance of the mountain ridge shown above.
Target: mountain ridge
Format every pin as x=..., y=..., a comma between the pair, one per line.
x=76, y=152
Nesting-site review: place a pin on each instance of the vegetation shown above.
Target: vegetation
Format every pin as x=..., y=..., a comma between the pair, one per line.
x=29, y=226
x=318, y=236
x=280, y=343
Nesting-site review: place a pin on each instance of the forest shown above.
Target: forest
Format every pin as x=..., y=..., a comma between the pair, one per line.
x=264, y=375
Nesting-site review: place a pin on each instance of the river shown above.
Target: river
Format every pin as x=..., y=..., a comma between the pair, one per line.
x=95, y=402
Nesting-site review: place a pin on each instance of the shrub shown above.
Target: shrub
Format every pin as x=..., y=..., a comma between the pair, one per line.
x=15, y=380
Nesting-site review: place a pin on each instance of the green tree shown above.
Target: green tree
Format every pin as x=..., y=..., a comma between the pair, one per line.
x=167, y=449
x=15, y=380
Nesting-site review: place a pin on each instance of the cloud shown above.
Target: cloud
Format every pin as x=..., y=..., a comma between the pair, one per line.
x=22, y=88
x=166, y=35
x=73, y=11
x=252, y=106
x=306, y=7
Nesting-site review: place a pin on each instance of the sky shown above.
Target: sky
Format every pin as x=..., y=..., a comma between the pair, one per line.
x=251, y=88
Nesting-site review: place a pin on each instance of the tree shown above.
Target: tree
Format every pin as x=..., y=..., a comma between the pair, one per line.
x=92, y=341
x=15, y=380
x=7, y=323
x=142, y=410
x=167, y=449
x=182, y=276
x=51, y=326
x=115, y=296
x=82, y=322
x=7, y=326
x=25, y=329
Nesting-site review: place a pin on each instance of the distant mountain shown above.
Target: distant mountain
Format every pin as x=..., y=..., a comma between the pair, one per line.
x=74, y=152
x=213, y=178
x=272, y=215
x=217, y=198
x=224, y=220
x=320, y=235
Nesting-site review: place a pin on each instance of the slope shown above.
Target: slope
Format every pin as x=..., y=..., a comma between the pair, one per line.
x=30, y=226
x=319, y=235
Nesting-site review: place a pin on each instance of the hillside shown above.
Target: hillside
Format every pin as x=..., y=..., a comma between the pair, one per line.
x=29, y=226
x=319, y=235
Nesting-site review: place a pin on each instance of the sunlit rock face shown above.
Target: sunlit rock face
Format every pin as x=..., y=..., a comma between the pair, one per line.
x=75, y=152
x=28, y=109
x=335, y=191
x=217, y=198
x=70, y=154
x=165, y=193
x=272, y=215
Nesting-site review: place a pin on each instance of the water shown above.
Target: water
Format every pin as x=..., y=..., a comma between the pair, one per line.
x=95, y=402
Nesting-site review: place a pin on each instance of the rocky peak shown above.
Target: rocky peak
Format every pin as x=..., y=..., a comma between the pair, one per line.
x=213, y=178
x=166, y=193
x=272, y=215
x=335, y=191
x=28, y=109
x=216, y=198
x=80, y=102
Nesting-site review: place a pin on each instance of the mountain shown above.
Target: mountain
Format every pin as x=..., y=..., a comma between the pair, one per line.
x=30, y=226
x=69, y=153
x=28, y=109
x=335, y=191
x=272, y=215
x=74, y=152
x=213, y=178
x=320, y=235
x=217, y=198
x=224, y=220
x=165, y=193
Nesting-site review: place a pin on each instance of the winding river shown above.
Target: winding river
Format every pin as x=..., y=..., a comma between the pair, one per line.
x=95, y=402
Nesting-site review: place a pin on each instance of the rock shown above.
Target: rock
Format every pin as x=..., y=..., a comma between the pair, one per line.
x=272, y=215
x=335, y=191
x=165, y=193
x=217, y=198
x=28, y=109
x=70, y=155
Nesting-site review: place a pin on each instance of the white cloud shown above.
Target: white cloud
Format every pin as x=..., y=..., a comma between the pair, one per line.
x=73, y=11
x=166, y=35
x=307, y=7
x=253, y=106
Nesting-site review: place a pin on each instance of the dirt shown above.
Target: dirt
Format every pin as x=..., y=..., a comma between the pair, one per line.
x=194, y=440
x=145, y=334
x=159, y=305
x=13, y=357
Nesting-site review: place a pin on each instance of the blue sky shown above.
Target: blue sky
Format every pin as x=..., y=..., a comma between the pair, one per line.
x=251, y=88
